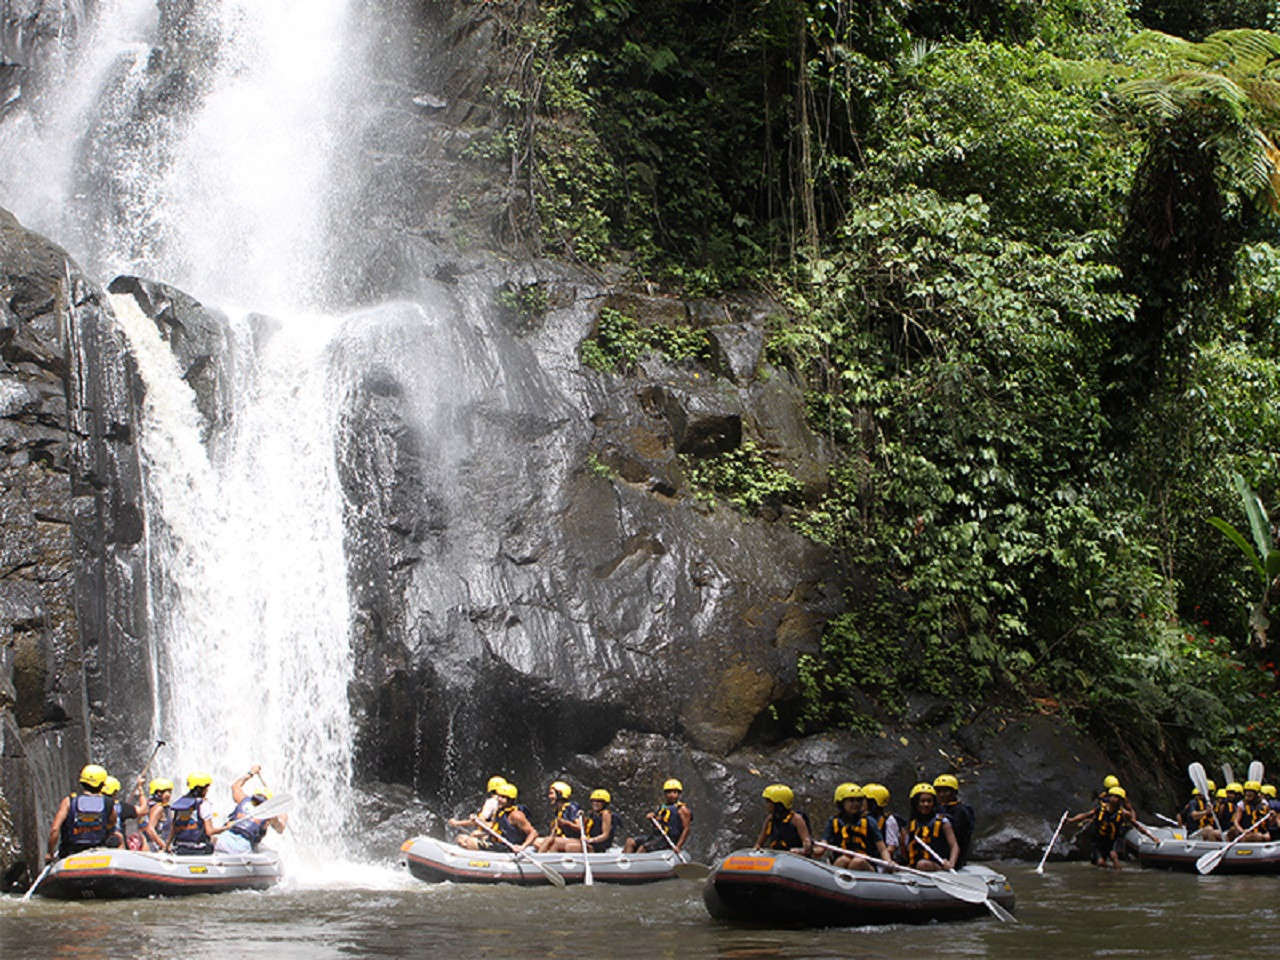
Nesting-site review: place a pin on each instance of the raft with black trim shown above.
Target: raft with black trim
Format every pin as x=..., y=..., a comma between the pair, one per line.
x=1176, y=852
x=436, y=862
x=114, y=874
x=775, y=888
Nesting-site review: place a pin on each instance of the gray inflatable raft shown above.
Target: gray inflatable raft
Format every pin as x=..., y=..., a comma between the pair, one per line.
x=115, y=873
x=436, y=861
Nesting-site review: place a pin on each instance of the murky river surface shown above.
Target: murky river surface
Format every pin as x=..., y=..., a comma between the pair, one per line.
x=1071, y=911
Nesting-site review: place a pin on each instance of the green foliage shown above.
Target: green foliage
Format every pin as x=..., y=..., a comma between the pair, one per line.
x=744, y=476
x=620, y=341
x=1011, y=125
x=529, y=302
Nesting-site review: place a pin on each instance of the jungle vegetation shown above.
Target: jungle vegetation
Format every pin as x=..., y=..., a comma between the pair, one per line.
x=1030, y=259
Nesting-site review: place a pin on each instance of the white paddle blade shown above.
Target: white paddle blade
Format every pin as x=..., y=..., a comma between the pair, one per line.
x=1210, y=860
x=962, y=889
x=275, y=807
x=1257, y=771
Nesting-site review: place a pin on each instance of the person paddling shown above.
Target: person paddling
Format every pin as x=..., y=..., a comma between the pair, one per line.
x=479, y=838
x=851, y=829
x=598, y=824
x=84, y=820
x=928, y=829
x=512, y=820
x=1252, y=819
x=242, y=832
x=673, y=817
x=1198, y=819
x=784, y=828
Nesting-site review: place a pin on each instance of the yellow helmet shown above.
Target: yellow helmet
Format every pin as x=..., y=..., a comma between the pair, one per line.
x=261, y=796
x=110, y=787
x=779, y=793
x=1195, y=792
x=601, y=795
x=946, y=780
x=1116, y=792
x=93, y=775
x=673, y=784
x=1211, y=785
x=849, y=791
x=920, y=788
x=198, y=780
x=160, y=785
x=1268, y=790
x=1254, y=785
x=877, y=792
x=1110, y=781
x=563, y=789
x=507, y=790
x=1234, y=787
x=1221, y=794
x=494, y=784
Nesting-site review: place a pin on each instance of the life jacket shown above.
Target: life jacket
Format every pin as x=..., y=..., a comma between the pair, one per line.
x=782, y=834
x=86, y=824
x=1198, y=814
x=851, y=833
x=565, y=810
x=593, y=825
x=1253, y=814
x=1223, y=811
x=1106, y=824
x=921, y=832
x=502, y=823
x=242, y=822
x=668, y=816
x=188, y=828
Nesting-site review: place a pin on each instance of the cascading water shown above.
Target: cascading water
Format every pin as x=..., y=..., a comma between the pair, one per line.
x=226, y=195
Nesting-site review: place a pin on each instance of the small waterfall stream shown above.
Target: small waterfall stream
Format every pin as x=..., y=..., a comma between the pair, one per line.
x=227, y=196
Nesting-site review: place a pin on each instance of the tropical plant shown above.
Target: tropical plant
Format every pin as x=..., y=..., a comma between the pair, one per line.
x=1263, y=554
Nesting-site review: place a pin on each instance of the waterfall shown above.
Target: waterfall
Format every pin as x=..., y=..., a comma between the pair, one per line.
x=227, y=194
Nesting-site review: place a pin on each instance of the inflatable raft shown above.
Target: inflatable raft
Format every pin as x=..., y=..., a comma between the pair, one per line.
x=112, y=874
x=436, y=861
x=1176, y=852
x=774, y=888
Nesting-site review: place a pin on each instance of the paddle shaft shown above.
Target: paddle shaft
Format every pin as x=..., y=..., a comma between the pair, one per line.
x=1209, y=862
x=32, y=889
x=587, y=878
x=972, y=893
x=671, y=843
x=547, y=871
x=997, y=911
x=1052, y=841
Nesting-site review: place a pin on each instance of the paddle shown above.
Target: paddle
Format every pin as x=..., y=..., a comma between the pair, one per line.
x=275, y=807
x=587, y=878
x=1052, y=841
x=954, y=886
x=684, y=869
x=1169, y=820
x=1201, y=782
x=550, y=874
x=142, y=777
x=1256, y=770
x=1226, y=772
x=997, y=911
x=1209, y=862
x=43, y=873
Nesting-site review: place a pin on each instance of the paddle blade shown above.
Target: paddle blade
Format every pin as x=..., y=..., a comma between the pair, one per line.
x=1229, y=776
x=1257, y=771
x=275, y=807
x=692, y=871
x=961, y=888
x=1000, y=913
x=1199, y=780
x=1209, y=862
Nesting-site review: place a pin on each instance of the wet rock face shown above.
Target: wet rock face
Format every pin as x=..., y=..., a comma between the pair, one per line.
x=29, y=29
x=70, y=531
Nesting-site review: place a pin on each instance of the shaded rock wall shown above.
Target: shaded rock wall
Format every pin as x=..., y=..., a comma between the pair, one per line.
x=71, y=527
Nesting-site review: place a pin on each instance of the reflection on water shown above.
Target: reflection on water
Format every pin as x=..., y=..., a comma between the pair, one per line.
x=1072, y=911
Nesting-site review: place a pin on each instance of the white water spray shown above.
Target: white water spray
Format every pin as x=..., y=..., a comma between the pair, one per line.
x=229, y=200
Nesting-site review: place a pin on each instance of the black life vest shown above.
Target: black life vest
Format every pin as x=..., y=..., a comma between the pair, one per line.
x=921, y=832
x=781, y=834
x=189, y=833
x=86, y=824
x=1198, y=814
x=668, y=817
x=1106, y=823
x=851, y=833
x=564, y=810
x=502, y=823
x=594, y=823
x=1251, y=815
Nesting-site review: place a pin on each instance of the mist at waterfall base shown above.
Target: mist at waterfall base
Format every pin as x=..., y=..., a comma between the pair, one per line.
x=232, y=191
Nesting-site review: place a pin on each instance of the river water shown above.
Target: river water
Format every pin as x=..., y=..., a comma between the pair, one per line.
x=1072, y=911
